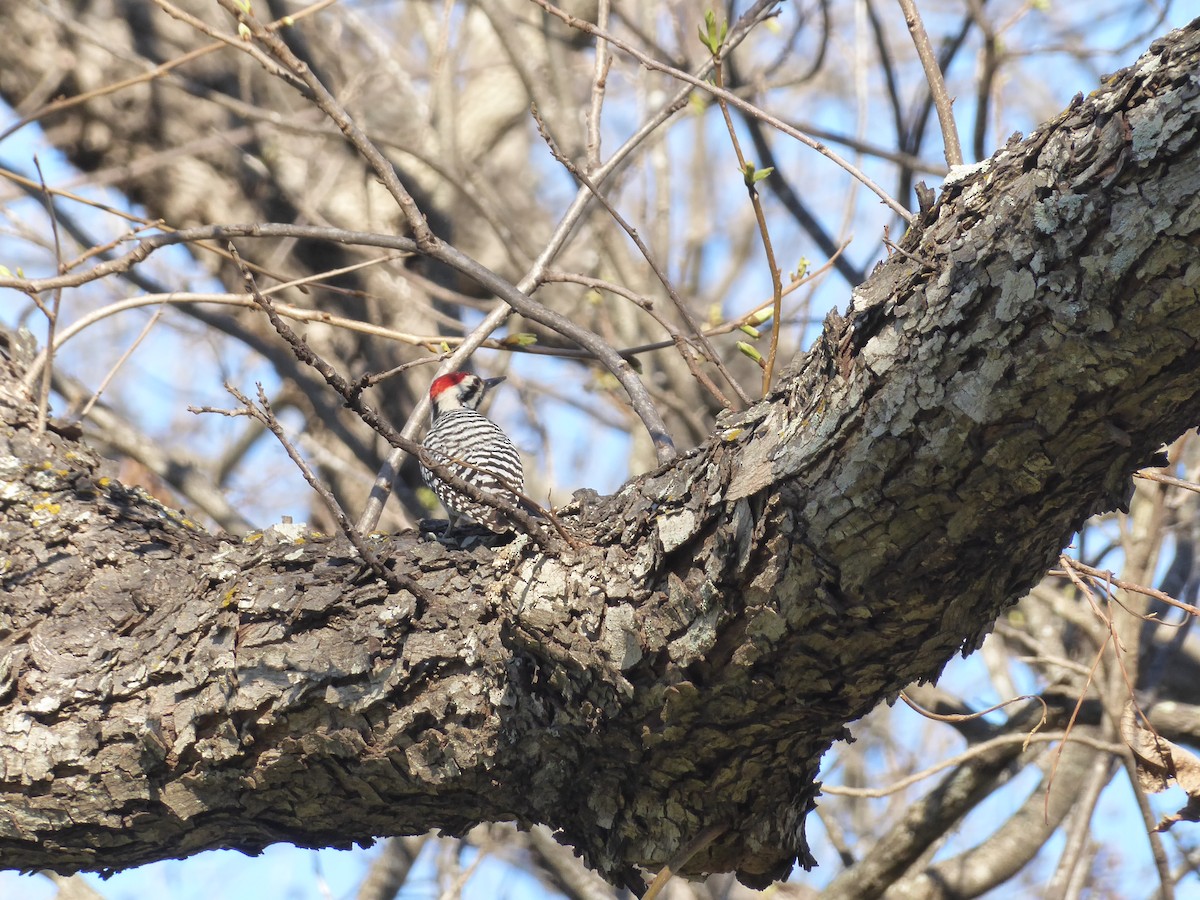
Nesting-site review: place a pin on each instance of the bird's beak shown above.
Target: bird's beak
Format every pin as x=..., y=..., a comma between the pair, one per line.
x=489, y=383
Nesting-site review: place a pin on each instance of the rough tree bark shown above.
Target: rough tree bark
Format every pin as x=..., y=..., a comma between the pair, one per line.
x=995, y=382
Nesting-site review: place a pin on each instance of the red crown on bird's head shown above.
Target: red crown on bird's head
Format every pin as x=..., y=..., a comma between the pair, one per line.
x=447, y=381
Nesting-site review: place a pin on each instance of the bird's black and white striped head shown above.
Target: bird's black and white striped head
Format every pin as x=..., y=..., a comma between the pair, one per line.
x=458, y=390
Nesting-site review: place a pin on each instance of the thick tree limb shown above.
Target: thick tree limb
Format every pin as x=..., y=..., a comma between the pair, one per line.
x=166, y=691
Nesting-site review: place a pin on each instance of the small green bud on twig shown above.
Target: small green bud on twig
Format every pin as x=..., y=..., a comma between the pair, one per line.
x=519, y=339
x=712, y=35
x=753, y=176
x=749, y=351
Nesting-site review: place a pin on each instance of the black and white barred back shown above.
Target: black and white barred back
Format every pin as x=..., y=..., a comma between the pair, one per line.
x=460, y=435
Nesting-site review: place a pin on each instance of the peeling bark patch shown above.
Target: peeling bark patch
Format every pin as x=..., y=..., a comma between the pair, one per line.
x=675, y=530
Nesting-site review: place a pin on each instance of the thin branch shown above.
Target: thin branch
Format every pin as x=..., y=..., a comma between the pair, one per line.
x=867, y=148
x=972, y=752
x=782, y=189
x=78, y=99
x=893, y=247
x=891, y=82
x=913, y=136
x=1070, y=566
x=599, y=82
x=732, y=99
x=116, y=367
x=611, y=358
x=680, y=858
x=989, y=70
x=750, y=176
x=968, y=717
x=1151, y=475
x=33, y=189
x=147, y=245
x=396, y=581
x=229, y=40
x=390, y=869
x=557, y=866
x=1070, y=873
x=329, y=105
x=583, y=197
x=1161, y=864
x=1091, y=678
x=937, y=84
x=659, y=272
x=181, y=469
x=465, y=345
x=753, y=317
x=454, y=889
x=72, y=887
x=52, y=314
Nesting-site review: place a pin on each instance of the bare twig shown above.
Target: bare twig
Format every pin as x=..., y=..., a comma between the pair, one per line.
x=147, y=245
x=69, y=102
x=583, y=197
x=679, y=860
x=390, y=869
x=975, y=750
x=868, y=148
x=229, y=40
x=157, y=72
x=781, y=187
x=87, y=407
x=967, y=717
x=597, y=347
x=937, y=84
x=329, y=105
x=659, y=272
x=1162, y=865
x=731, y=98
x=263, y=413
x=1151, y=475
x=599, y=82
x=182, y=470
x=72, y=887
x=896, y=248
x=1070, y=566
x=1070, y=874
x=989, y=69
x=750, y=176
x=43, y=405
x=1091, y=677
x=32, y=188
x=748, y=318
x=465, y=346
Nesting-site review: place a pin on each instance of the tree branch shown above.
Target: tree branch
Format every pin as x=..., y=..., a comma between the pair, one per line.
x=726, y=615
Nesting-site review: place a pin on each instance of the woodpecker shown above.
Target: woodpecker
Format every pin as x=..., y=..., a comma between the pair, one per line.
x=459, y=434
